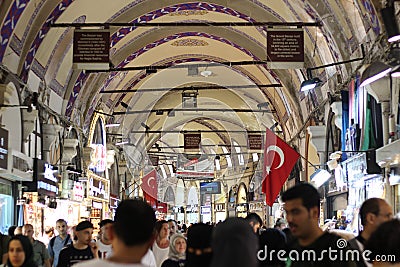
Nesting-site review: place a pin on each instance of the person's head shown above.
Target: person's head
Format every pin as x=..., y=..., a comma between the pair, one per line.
x=255, y=221
x=301, y=205
x=177, y=247
x=198, y=251
x=11, y=230
x=133, y=224
x=271, y=239
x=20, y=252
x=383, y=242
x=172, y=227
x=234, y=244
x=61, y=227
x=84, y=232
x=18, y=230
x=27, y=230
x=374, y=212
x=105, y=226
x=49, y=231
x=162, y=229
x=280, y=224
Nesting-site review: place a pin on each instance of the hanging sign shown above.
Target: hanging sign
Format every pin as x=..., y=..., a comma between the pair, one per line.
x=285, y=48
x=192, y=141
x=91, y=49
x=3, y=148
x=255, y=141
x=98, y=188
x=78, y=192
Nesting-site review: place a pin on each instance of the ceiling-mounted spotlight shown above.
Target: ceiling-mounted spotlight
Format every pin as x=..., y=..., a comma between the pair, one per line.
x=124, y=105
x=373, y=72
x=171, y=113
x=310, y=83
x=145, y=126
x=150, y=71
x=206, y=73
x=389, y=20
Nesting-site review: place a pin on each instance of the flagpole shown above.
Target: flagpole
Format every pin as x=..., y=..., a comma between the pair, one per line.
x=313, y=165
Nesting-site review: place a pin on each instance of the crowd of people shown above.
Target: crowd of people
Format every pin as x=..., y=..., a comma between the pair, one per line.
x=136, y=239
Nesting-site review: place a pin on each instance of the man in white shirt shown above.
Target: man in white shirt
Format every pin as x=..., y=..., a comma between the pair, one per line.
x=131, y=235
x=104, y=243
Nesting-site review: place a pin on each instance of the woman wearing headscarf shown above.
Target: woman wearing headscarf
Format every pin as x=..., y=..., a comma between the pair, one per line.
x=177, y=249
x=234, y=244
x=20, y=252
x=199, y=252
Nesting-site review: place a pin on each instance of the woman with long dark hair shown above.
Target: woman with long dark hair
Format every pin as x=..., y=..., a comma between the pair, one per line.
x=20, y=252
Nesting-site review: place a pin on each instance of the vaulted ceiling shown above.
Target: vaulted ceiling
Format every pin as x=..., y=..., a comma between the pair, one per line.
x=34, y=50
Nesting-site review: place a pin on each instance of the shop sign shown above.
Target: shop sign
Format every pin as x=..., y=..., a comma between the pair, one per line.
x=97, y=205
x=191, y=208
x=114, y=201
x=256, y=206
x=98, y=158
x=98, y=188
x=219, y=207
x=242, y=207
x=3, y=148
x=77, y=192
x=191, y=141
x=44, y=182
x=205, y=210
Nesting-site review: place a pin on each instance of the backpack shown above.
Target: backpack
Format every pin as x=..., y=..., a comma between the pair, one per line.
x=51, y=243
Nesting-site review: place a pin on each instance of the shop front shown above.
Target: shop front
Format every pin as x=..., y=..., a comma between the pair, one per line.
x=6, y=205
x=98, y=192
x=242, y=206
x=192, y=207
x=220, y=212
x=364, y=181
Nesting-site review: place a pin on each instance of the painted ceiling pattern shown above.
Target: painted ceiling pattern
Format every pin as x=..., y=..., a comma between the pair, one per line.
x=34, y=50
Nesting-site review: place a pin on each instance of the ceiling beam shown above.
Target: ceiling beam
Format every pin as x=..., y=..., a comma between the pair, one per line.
x=192, y=110
x=195, y=88
x=186, y=24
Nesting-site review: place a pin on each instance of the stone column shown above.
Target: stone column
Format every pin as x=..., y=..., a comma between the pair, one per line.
x=69, y=152
x=49, y=133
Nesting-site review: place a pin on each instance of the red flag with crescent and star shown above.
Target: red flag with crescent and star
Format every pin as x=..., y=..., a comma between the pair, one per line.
x=149, y=184
x=279, y=160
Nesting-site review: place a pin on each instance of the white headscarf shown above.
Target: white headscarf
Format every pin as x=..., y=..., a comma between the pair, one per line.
x=173, y=253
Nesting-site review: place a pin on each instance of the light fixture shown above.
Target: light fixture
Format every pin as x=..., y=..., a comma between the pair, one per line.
x=159, y=112
x=389, y=20
x=310, y=84
x=121, y=143
x=206, y=73
x=374, y=72
x=112, y=125
x=124, y=105
x=319, y=177
x=396, y=72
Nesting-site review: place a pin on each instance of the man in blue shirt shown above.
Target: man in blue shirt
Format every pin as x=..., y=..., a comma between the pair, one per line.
x=58, y=242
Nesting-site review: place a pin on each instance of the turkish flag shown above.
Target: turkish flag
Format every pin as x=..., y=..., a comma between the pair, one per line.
x=279, y=160
x=149, y=184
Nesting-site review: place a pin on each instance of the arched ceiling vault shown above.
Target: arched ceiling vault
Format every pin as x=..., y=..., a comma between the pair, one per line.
x=32, y=49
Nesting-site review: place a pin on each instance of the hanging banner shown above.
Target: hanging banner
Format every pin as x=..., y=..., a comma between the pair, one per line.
x=195, y=168
x=285, y=48
x=91, y=49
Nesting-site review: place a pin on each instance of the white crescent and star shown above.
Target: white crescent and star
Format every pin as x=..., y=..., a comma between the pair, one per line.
x=148, y=181
x=281, y=157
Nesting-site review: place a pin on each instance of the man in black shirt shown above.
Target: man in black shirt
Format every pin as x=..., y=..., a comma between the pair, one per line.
x=82, y=249
x=313, y=247
x=373, y=212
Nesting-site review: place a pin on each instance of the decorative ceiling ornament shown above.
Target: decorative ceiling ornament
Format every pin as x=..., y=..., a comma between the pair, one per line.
x=189, y=13
x=189, y=42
